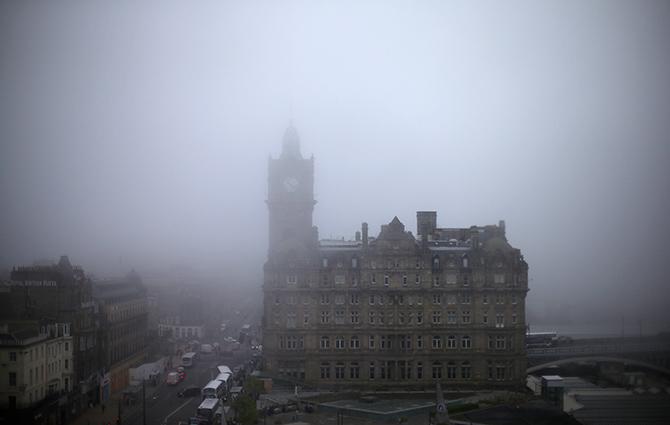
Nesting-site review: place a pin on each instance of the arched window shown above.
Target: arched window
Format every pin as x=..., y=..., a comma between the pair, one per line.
x=465, y=261
x=436, y=263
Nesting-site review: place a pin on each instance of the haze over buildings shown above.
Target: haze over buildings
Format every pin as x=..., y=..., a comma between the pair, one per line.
x=136, y=136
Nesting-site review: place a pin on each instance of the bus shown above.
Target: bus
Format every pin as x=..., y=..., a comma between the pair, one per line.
x=188, y=359
x=224, y=369
x=214, y=389
x=226, y=379
x=541, y=339
x=209, y=412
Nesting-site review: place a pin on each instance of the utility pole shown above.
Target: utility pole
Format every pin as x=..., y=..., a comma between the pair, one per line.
x=144, y=402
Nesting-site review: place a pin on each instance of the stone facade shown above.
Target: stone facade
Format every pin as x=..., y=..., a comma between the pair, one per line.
x=123, y=329
x=38, y=371
x=389, y=311
x=61, y=293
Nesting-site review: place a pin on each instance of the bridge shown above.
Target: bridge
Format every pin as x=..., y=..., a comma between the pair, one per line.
x=649, y=352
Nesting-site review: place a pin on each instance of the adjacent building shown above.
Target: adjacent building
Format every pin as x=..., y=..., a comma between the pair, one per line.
x=396, y=309
x=60, y=293
x=123, y=329
x=36, y=364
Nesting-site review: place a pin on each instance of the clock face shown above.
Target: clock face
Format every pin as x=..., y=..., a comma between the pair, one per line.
x=290, y=184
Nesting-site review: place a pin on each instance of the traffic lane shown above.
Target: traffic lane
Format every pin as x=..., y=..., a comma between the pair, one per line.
x=165, y=401
x=174, y=409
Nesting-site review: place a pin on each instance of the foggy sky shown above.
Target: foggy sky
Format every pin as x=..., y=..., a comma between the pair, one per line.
x=137, y=135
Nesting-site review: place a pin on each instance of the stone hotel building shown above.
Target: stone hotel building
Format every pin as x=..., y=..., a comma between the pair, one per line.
x=396, y=310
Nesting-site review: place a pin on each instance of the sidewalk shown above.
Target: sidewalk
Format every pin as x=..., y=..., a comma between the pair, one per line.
x=95, y=415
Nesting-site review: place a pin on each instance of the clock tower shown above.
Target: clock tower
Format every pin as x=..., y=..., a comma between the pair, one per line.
x=291, y=199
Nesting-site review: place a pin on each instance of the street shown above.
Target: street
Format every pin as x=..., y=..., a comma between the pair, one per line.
x=164, y=407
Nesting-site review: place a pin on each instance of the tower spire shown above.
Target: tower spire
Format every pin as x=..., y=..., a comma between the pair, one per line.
x=291, y=143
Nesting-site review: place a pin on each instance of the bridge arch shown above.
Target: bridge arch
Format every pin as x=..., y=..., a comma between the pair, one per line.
x=599, y=359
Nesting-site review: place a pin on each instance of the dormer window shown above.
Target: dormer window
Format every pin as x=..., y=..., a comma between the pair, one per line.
x=324, y=262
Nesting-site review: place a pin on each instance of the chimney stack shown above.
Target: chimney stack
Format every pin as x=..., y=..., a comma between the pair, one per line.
x=426, y=223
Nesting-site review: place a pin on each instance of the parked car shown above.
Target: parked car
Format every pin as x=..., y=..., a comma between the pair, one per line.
x=191, y=391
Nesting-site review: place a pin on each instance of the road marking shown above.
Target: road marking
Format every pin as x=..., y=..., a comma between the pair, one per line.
x=175, y=411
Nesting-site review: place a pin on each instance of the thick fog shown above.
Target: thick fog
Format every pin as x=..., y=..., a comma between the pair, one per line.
x=136, y=134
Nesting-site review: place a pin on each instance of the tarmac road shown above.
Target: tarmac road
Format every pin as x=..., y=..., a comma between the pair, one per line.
x=163, y=407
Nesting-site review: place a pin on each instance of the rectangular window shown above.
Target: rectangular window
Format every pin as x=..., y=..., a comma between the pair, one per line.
x=451, y=317
x=500, y=298
x=437, y=299
x=498, y=278
x=340, y=279
x=466, y=298
x=500, y=320
x=419, y=342
x=500, y=372
x=325, y=299
x=404, y=280
x=437, y=371
x=354, y=371
x=419, y=370
x=325, y=370
x=291, y=279
x=339, y=317
x=485, y=318
x=419, y=317
x=451, y=371
x=437, y=317
x=12, y=379
x=437, y=342
x=354, y=343
x=339, y=371
x=513, y=298
x=466, y=370
x=290, y=320
x=339, y=343
x=339, y=299
x=387, y=280
x=371, y=370
x=12, y=356
x=466, y=280
x=451, y=341
x=417, y=279
x=371, y=317
x=514, y=319
x=373, y=278
x=325, y=317
x=325, y=343
x=371, y=342
x=436, y=280
x=485, y=299
x=466, y=342
x=451, y=278
x=305, y=319
x=355, y=319
x=354, y=299
x=500, y=343
x=465, y=316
